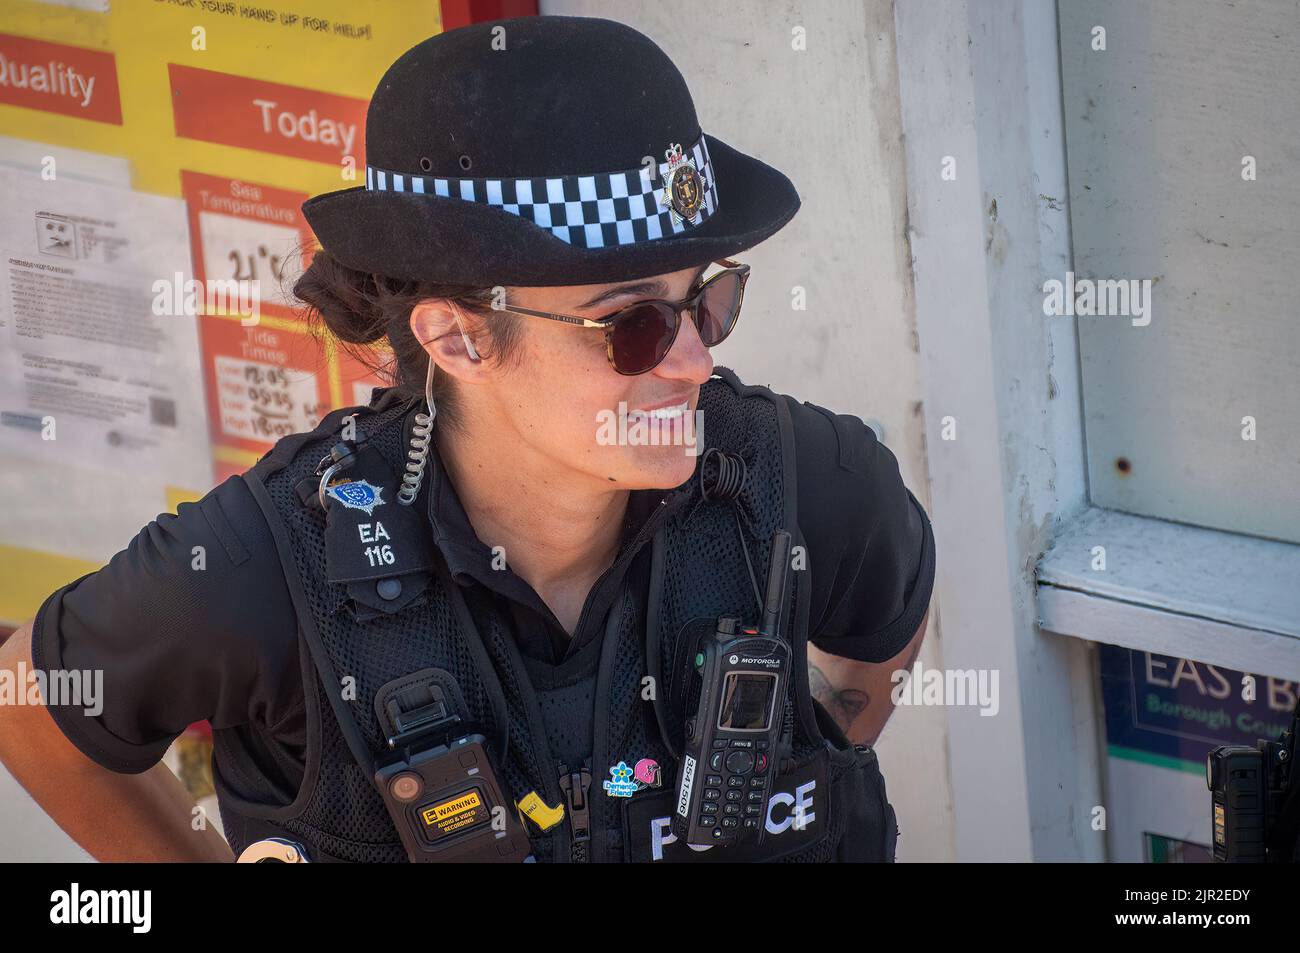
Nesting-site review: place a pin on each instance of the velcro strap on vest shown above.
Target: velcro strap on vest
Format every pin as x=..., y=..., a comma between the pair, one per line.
x=380, y=550
x=429, y=696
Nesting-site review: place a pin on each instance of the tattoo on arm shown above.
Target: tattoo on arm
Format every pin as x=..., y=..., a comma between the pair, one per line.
x=842, y=704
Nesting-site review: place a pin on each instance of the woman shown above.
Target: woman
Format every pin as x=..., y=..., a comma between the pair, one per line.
x=528, y=582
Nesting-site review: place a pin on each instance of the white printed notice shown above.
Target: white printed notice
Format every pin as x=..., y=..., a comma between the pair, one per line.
x=252, y=251
x=101, y=395
x=264, y=402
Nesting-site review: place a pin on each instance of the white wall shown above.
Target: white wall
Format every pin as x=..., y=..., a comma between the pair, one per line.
x=981, y=101
x=27, y=834
x=829, y=117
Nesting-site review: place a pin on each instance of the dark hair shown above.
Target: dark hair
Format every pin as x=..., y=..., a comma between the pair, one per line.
x=358, y=308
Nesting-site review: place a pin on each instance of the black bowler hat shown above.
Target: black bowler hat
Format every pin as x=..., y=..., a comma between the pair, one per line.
x=514, y=152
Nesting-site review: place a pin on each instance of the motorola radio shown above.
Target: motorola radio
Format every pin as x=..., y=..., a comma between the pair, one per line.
x=733, y=733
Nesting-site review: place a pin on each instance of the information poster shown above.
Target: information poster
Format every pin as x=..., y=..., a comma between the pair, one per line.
x=97, y=399
x=159, y=152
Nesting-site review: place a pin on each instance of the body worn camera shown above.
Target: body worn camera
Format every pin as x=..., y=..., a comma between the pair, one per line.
x=1255, y=799
x=735, y=726
x=440, y=787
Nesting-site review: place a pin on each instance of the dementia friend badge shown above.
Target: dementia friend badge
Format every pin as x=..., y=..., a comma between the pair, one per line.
x=625, y=781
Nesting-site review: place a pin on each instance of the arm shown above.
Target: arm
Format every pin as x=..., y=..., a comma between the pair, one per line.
x=858, y=695
x=872, y=556
x=169, y=639
x=115, y=817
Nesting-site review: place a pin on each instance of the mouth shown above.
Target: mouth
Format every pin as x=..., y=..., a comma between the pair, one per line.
x=661, y=412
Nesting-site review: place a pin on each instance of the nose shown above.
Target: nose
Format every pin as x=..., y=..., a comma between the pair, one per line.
x=688, y=359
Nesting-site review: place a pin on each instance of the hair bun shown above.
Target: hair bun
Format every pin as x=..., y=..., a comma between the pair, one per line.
x=346, y=299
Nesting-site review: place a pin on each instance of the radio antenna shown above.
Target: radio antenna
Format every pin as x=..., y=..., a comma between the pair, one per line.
x=778, y=573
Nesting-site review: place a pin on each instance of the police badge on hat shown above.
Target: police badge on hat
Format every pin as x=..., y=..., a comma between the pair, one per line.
x=683, y=189
x=569, y=198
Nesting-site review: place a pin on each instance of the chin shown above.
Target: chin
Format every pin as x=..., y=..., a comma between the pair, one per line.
x=660, y=468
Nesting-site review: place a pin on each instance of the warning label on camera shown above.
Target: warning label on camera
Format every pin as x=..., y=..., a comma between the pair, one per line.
x=447, y=817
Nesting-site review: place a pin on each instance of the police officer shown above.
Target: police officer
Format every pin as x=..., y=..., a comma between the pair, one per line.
x=524, y=538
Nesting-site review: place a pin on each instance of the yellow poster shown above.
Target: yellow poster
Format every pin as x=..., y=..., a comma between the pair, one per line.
x=224, y=117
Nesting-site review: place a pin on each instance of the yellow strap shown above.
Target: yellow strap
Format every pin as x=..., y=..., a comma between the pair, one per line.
x=533, y=807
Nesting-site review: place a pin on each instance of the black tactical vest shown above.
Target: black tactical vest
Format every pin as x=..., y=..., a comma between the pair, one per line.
x=362, y=628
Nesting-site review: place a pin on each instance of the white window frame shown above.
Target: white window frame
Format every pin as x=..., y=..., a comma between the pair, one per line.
x=1175, y=589
x=980, y=83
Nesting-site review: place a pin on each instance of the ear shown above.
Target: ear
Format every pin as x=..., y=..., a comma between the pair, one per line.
x=446, y=333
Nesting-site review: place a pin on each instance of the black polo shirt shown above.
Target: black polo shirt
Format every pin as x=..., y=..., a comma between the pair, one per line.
x=178, y=644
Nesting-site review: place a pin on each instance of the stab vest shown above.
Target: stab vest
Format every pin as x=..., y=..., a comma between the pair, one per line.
x=360, y=630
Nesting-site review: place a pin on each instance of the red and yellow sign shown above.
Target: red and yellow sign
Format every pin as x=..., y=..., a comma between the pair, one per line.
x=244, y=110
x=59, y=78
x=270, y=117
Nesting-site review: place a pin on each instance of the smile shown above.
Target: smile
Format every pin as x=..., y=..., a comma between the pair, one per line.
x=671, y=412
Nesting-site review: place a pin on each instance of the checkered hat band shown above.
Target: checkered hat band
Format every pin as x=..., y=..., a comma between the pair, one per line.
x=590, y=211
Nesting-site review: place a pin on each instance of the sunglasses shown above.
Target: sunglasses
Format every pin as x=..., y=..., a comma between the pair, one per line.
x=639, y=337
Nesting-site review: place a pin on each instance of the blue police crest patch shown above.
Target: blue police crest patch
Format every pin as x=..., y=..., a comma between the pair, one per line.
x=357, y=495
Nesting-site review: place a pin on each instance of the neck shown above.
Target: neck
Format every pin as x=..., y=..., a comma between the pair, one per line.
x=556, y=531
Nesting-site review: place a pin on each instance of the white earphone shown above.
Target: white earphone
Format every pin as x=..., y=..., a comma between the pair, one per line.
x=469, y=345
x=422, y=431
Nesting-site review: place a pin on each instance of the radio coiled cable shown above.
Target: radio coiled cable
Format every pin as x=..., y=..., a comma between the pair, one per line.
x=722, y=479
x=417, y=456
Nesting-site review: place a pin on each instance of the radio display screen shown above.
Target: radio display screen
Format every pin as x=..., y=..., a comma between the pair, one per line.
x=747, y=701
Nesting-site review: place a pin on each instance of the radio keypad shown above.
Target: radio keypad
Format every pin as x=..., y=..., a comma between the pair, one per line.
x=739, y=762
x=739, y=779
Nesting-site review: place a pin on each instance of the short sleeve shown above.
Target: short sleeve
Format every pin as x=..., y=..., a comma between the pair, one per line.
x=870, y=544
x=192, y=621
